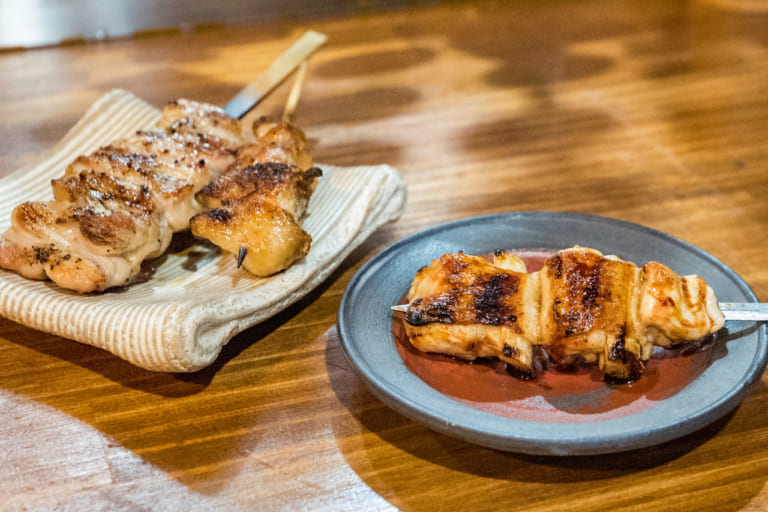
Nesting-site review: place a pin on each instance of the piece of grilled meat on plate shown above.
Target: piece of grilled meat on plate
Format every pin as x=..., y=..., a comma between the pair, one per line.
x=581, y=306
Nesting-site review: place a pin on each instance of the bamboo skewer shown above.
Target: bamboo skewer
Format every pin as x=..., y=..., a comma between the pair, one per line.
x=293, y=96
x=293, y=58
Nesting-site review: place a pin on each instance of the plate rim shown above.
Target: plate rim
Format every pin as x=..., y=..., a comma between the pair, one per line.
x=630, y=439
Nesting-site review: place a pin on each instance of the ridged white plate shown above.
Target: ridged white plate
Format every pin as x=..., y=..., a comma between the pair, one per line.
x=196, y=300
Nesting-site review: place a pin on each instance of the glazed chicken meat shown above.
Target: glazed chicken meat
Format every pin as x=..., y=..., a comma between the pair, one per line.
x=581, y=306
x=254, y=209
x=121, y=204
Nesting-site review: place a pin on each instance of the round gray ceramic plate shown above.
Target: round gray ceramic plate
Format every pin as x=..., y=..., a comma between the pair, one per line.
x=365, y=329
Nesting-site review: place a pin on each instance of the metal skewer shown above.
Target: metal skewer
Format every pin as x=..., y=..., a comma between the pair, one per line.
x=753, y=311
x=745, y=310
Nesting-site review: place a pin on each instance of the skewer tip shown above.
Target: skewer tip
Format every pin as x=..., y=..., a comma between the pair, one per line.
x=241, y=256
x=400, y=308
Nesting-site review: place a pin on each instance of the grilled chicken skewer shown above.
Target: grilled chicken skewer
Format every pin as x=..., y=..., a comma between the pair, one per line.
x=581, y=306
x=735, y=311
x=254, y=210
x=121, y=204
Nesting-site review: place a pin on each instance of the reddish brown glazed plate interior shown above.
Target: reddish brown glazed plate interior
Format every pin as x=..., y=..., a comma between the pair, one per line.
x=557, y=412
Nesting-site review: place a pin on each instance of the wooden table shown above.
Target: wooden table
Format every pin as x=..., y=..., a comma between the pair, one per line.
x=650, y=112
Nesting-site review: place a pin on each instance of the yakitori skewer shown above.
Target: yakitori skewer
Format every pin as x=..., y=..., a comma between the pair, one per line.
x=119, y=205
x=746, y=311
x=278, y=72
x=582, y=305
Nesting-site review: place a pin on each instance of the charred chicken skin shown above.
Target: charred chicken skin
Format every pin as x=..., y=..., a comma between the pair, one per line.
x=581, y=306
x=255, y=211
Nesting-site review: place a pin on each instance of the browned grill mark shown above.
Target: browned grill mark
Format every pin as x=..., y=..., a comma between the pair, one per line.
x=42, y=253
x=618, y=350
x=440, y=309
x=489, y=296
x=510, y=351
x=219, y=215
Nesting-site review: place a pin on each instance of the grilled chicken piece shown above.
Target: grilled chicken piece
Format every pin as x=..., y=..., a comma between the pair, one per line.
x=581, y=305
x=194, y=118
x=256, y=214
x=169, y=192
x=604, y=309
x=468, y=307
x=193, y=158
x=255, y=208
x=287, y=185
x=588, y=305
x=265, y=237
x=120, y=205
x=675, y=309
x=85, y=245
x=275, y=141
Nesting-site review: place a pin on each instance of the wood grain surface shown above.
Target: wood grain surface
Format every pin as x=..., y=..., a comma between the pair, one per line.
x=650, y=112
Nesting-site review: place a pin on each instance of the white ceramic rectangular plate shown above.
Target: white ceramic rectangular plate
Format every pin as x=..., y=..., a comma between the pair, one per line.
x=196, y=300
